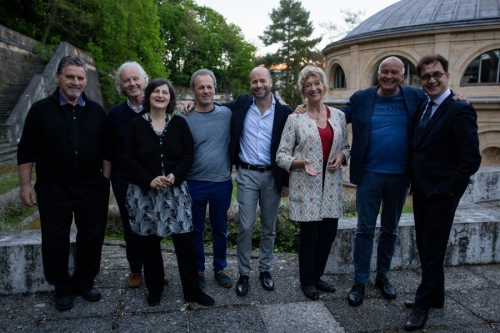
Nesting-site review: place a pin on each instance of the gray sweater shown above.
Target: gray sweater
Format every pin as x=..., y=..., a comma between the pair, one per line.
x=211, y=144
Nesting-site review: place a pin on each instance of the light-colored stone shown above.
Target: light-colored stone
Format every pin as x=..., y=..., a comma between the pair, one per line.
x=21, y=261
x=474, y=239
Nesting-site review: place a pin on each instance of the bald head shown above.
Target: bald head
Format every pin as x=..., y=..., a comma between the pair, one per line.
x=261, y=71
x=261, y=83
x=395, y=61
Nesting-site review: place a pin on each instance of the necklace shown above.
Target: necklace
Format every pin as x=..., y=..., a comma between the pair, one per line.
x=164, y=128
x=314, y=115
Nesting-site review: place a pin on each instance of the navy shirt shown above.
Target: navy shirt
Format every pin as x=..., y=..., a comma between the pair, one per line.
x=388, y=144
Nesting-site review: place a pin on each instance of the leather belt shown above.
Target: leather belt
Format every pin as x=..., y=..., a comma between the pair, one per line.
x=255, y=167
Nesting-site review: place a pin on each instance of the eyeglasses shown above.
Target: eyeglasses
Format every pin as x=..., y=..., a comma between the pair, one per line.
x=436, y=76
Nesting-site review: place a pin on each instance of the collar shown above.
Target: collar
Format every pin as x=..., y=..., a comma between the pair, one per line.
x=63, y=101
x=141, y=107
x=273, y=104
x=443, y=96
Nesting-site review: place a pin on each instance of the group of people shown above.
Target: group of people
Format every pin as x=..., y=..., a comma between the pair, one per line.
x=165, y=169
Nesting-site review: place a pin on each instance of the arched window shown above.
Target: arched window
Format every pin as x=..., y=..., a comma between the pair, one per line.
x=339, y=78
x=411, y=77
x=483, y=70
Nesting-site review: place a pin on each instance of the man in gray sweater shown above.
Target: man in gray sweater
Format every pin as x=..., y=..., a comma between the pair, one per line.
x=209, y=181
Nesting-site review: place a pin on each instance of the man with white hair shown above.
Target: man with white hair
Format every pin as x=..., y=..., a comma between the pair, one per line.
x=130, y=80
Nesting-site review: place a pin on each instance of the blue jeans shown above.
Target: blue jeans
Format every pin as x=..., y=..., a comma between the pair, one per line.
x=373, y=190
x=218, y=196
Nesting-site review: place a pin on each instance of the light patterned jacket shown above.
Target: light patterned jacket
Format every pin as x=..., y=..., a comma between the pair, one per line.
x=309, y=199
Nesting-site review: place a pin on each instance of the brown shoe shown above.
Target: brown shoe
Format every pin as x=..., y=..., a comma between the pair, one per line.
x=134, y=280
x=166, y=280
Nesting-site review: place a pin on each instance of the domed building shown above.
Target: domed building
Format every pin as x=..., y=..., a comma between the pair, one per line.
x=466, y=32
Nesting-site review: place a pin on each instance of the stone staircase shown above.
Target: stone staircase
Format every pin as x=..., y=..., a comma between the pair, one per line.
x=8, y=152
x=11, y=94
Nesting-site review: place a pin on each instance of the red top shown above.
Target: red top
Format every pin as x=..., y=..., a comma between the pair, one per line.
x=326, y=135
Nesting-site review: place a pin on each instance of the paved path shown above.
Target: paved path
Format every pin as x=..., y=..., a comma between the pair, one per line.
x=472, y=304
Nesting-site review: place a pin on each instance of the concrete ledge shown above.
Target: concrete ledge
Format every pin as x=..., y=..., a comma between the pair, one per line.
x=474, y=239
x=21, y=261
x=485, y=185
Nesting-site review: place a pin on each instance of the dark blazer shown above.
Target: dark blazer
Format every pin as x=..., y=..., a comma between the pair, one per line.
x=447, y=152
x=239, y=110
x=144, y=154
x=358, y=111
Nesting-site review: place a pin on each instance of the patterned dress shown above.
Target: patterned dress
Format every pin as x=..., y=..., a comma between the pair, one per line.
x=159, y=212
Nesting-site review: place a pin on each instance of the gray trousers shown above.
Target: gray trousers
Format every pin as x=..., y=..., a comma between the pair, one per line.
x=256, y=187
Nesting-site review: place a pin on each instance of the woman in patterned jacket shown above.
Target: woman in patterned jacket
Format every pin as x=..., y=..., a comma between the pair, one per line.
x=313, y=147
x=159, y=152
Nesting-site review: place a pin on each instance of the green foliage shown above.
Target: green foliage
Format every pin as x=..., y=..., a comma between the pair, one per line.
x=290, y=29
x=45, y=51
x=199, y=37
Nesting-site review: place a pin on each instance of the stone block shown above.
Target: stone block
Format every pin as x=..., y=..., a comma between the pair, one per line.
x=21, y=261
x=474, y=239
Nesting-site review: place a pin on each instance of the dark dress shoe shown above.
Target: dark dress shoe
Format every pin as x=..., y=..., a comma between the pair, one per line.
x=202, y=299
x=64, y=303
x=325, y=286
x=436, y=303
x=91, y=295
x=242, y=287
x=314, y=296
x=356, y=294
x=416, y=320
x=153, y=299
x=266, y=281
x=386, y=288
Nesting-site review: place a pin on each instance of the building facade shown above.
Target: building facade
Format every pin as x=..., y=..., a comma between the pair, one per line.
x=466, y=32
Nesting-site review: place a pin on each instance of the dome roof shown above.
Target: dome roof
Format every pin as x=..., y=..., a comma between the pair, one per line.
x=421, y=15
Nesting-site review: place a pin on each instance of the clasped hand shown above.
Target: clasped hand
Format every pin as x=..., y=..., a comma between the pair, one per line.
x=162, y=182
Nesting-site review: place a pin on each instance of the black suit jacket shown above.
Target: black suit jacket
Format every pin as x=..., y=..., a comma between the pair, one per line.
x=447, y=152
x=239, y=110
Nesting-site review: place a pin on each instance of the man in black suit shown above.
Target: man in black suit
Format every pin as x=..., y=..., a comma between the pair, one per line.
x=257, y=122
x=445, y=155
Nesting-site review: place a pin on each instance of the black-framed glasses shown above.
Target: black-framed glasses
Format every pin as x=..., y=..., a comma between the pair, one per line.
x=435, y=75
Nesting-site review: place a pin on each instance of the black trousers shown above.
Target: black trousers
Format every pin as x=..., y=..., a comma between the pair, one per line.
x=315, y=243
x=186, y=259
x=58, y=202
x=120, y=185
x=433, y=222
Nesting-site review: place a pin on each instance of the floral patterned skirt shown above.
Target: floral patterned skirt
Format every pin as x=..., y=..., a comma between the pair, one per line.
x=159, y=212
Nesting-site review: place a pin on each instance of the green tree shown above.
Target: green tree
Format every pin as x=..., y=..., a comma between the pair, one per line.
x=290, y=29
x=125, y=30
x=199, y=37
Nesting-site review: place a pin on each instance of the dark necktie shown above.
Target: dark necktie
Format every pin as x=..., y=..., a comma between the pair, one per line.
x=425, y=118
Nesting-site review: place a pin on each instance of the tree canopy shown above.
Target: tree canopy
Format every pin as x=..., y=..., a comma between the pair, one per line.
x=199, y=37
x=169, y=38
x=291, y=30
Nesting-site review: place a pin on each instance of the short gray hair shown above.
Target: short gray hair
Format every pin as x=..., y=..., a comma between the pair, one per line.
x=309, y=71
x=71, y=60
x=118, y=81
x=201, y=72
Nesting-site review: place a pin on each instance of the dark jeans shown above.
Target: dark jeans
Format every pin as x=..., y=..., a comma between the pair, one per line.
x=433, y=221
x=186, y=259
x=315, y=243
x=58, y=202
x=373, y=190
x=218, y=197
x=120, y=183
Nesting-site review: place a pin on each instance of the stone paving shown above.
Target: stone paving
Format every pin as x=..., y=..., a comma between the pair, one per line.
x=472, y=302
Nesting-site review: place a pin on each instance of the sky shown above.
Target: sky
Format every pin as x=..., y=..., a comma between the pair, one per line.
x=253, y=16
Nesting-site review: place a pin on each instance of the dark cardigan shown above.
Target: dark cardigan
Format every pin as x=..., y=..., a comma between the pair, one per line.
x=143, y=152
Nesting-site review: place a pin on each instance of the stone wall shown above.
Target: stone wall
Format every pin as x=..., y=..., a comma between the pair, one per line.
x=15, y=55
